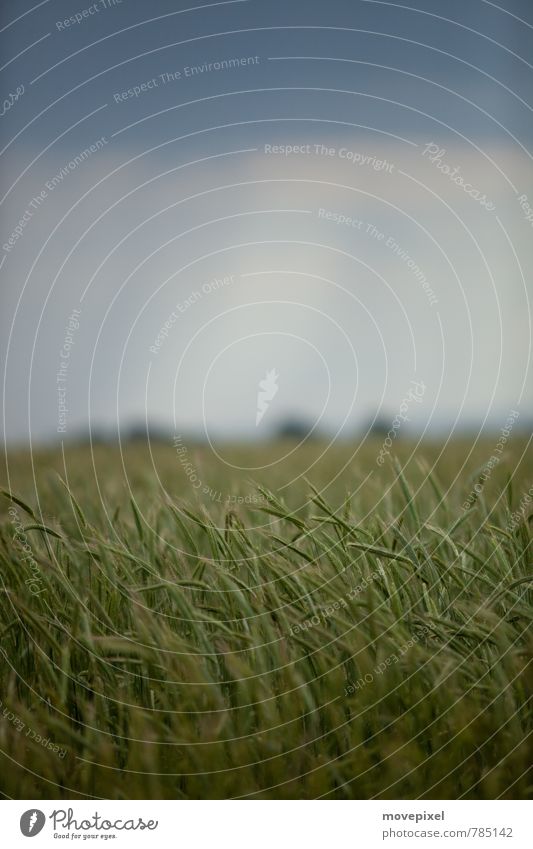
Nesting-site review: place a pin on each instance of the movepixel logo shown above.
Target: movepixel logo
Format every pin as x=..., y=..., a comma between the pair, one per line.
x=32, y=822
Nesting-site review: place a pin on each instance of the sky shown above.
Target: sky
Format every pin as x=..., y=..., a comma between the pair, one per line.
x=320, y=210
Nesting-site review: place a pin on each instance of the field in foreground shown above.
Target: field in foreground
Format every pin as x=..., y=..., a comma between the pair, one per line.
x=365, y=634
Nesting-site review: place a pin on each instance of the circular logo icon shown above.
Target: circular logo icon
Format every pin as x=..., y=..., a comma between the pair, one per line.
x=32, y=822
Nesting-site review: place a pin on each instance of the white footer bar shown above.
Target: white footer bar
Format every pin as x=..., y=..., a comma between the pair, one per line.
x=268, y=824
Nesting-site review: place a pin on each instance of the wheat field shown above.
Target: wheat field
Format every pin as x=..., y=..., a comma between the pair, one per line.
x=346, y=631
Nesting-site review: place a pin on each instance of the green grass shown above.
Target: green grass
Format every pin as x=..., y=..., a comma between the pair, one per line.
x=361, y=638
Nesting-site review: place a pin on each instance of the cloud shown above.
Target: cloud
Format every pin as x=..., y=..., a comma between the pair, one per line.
x=140, y=239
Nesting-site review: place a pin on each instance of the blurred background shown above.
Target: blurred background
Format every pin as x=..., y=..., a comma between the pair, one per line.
x=243, y=219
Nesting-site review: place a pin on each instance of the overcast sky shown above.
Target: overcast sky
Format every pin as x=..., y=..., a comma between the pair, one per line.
x=194, y=197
